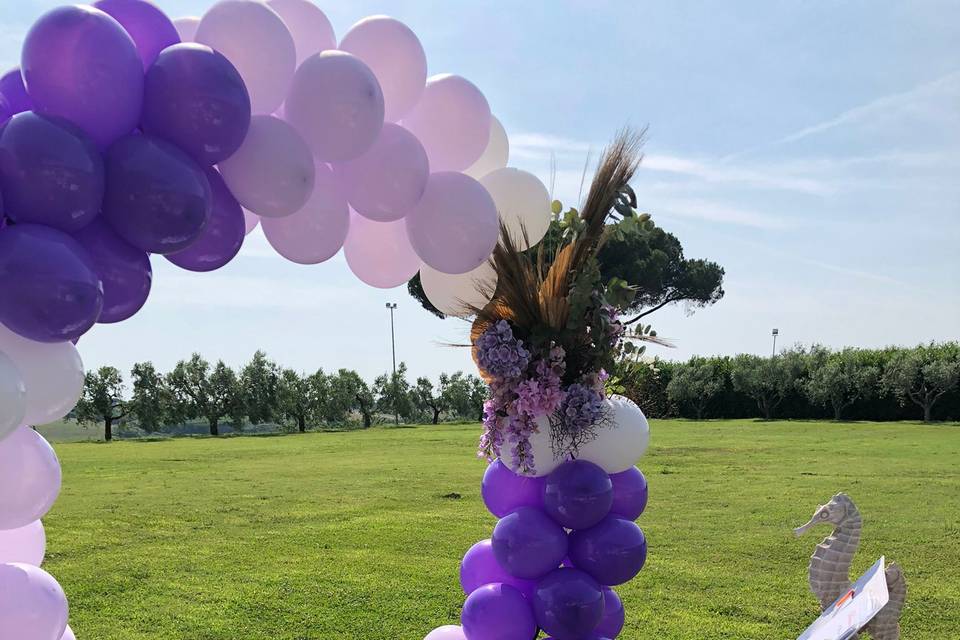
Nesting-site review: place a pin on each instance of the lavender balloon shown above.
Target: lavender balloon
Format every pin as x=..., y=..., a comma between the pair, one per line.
x=11, y=88
x=389, y=179
x=613, y=552
x=568, y=604
x=29, y=479
x=309, y=26
x=251, y=221
x=196, y=99
x=335, y=102
x=151, y=30
x=614, y=615
x=272, y=173
x=394, y=54
x=452, y=120
x=33, y=606
x=27, y=544
x=123, y=270
x=504, y=491
x=49, y=290
x=379, y=253
x=528, y=544
x=454, y=227
x=317, y=232
x=447, y=632
x=578, y=494
x=497, y=612
x=80, y=64
x=223, y=236
x=187, y=28
x=480, y=567
x=157, y=198
x=629, y=493
x=50, y=172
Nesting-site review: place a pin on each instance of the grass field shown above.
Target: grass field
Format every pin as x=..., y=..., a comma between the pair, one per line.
x=358, y=535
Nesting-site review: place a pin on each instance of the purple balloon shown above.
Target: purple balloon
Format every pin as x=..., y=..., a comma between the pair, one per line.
x=497, y=612
x=452, y=120
x=80, y=64
x=223, y=236
x=194, y=98
x=480, y=567
x=151, y=30
x=568, y=604
x=33, y=606
x=50, y=172
x=578, y=494
x=629, y=493
x=528, y=544
x=455, y=226
x=336, y=104
x=613, y=552
x=157, y=198
x=123, y=269
x=379, y=253
x=504, y=491
x=11, y=88
x=29, y=479
x=49, y=289
x=6, y=111
x=613, y=615
x=388, y=180
x=24, y=544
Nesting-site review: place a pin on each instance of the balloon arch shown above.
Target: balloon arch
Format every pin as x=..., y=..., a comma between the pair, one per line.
x=126, y=135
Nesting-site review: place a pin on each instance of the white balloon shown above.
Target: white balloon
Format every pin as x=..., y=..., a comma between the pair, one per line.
x=256, y=40
x=13, y=396
x=27, y=544
x=272, y=173
x=187, y=28
x=523, y=203
x=495, y=156
x=541, y=448
x=52, y=374
x=453, y=293
x=618, y=447
x=309, y=26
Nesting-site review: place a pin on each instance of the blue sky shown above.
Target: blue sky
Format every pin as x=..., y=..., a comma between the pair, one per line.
x=812, y=149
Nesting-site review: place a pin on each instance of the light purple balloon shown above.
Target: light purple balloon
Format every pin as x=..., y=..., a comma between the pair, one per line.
x=614, y=615
x=151, y=30
x=29, y=479
x=309, y=26
x=455, y=226
x=272, y=173
x=26, y=544
x=447, y=632
x=394, y=54
x=630, y=493
x=11, y=88
x=250, y=221
x=80, y=64
x=389, y=179
x=317, y=232
x=336, y=104
x=33, y=606
x=480, y=567
x=452, y=120
x=497, y=612
x=504, y=491
x=379, y=253
x=68, y=634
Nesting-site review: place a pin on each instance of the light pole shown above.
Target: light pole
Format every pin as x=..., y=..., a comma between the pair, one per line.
x=776, y=332
x=392, y=306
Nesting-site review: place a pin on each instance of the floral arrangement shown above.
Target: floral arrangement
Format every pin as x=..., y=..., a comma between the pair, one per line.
x=551, y=332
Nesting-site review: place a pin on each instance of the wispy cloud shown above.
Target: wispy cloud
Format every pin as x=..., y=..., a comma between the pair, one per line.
x=248, y=292
x=717, y=211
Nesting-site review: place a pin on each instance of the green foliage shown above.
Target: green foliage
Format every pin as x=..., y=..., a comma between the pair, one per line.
x=767, y=380
x=348, y=393
x=923, y=375
x=102, y=399
x=393, y=394
x=260, y=385
x=153, y=403
x=297, y=398
x=696, y=384
x=428, y=399
x=204, y=393
x=840, y=379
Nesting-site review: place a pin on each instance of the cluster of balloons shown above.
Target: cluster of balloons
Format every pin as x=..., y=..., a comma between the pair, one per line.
x=562, y=541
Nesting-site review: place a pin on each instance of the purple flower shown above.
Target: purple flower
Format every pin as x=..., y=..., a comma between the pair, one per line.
x=500, y=354
x=581, y=408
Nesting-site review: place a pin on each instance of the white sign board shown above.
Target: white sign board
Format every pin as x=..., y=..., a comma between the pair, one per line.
x=854, y=609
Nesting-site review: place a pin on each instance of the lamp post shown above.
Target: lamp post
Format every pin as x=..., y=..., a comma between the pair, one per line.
x=776, y=332
x=392, y=306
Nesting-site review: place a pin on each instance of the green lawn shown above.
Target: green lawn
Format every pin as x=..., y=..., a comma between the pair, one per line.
x=358, y=536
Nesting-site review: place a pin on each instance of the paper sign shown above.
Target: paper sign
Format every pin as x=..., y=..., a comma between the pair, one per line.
x=854, y=609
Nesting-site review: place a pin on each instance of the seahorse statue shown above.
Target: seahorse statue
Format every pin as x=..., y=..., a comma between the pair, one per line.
x=830, y=565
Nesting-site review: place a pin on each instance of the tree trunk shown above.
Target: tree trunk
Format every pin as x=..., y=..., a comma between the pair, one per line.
x=366, y=419
x=699, y=412
x=436, y=415
x=108, y=428
x=214, y=426
x=481, y=414
x=302, y=424
x=927, y=411
x=837, y=412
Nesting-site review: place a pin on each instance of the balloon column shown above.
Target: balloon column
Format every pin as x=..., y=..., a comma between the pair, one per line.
x=125, y=135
